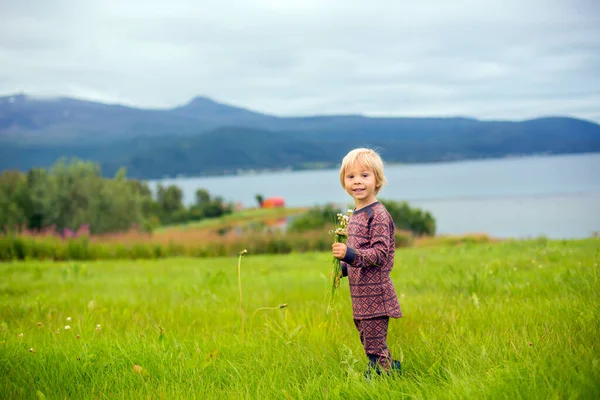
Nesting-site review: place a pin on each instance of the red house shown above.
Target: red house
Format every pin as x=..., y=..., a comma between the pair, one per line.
x=273, y=202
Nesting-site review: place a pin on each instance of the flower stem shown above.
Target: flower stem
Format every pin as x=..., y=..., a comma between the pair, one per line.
x=240, y=289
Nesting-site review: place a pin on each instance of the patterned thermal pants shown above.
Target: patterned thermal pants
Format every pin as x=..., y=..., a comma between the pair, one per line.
x=373, y=335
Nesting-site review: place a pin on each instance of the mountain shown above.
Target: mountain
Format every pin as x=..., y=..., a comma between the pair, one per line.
x=205, y=109
x=207, y=137
x=25, y=119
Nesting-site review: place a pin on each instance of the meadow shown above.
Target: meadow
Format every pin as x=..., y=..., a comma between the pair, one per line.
x=510, y=319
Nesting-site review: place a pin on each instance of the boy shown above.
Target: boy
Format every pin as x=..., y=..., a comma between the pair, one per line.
x=368, y=257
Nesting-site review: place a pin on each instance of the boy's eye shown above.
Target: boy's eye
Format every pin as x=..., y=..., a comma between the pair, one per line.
x=350, y=176
x=365, y=175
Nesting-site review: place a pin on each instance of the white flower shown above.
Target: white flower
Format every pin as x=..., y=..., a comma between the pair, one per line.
x=67, y=327
x=68, y=319
x=350, y=211
x=20, y=336
x=98, y=327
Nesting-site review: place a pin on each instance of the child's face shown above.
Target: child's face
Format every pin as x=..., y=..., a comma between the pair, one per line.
x=360, y=183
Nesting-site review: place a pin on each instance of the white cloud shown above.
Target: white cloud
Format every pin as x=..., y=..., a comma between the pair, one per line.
x=507, y=59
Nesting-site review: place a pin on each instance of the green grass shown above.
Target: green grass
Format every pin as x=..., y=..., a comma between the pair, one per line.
x=512, y=320
x=245, y=216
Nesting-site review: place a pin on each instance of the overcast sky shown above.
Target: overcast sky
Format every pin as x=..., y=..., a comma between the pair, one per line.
x=508, y=59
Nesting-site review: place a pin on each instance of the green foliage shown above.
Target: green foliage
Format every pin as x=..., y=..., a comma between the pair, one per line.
x=15, y=203
x=407, y=218
x=19, y=247
x=73, y=195
x=314, y=219
x=482, y=321
x=69, y=196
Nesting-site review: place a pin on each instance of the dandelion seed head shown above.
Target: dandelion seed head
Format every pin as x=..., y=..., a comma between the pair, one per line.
x=67, y=327
x=68, y=319
x=98, y=327
x=32, y=350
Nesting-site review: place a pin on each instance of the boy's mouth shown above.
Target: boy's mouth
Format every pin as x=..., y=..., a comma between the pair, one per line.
x=359, y=190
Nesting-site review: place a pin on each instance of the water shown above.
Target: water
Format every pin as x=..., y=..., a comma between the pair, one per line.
x=555, y=196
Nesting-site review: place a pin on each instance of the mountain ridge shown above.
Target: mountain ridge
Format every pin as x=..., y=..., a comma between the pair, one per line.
x=154, y=143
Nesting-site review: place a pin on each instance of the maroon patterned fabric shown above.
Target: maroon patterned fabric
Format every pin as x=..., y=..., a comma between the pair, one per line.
x=373, y=334
x=369, y=261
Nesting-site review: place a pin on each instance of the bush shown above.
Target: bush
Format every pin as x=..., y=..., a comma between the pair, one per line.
x=316, y=218
x=406, y=218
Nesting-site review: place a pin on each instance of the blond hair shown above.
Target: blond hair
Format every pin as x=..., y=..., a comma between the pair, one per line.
x=368, y=158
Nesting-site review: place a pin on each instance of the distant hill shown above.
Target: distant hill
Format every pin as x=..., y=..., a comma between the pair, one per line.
x=205, y=137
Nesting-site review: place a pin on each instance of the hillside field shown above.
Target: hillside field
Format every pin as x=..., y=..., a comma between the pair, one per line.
x=513, y=319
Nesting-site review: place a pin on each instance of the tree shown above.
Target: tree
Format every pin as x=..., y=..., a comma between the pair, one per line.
x=202, y=196
x=259, y=199
x=417, y=221
x=14, y=200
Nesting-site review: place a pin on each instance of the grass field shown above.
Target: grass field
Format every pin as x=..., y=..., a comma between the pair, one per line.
x=499, y=320
x=237, y=218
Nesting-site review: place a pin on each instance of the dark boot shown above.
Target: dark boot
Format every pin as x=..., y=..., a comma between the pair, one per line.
x=396, y=367
x=373, y=367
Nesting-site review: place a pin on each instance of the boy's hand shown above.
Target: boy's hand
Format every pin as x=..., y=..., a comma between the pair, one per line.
x=339, y=250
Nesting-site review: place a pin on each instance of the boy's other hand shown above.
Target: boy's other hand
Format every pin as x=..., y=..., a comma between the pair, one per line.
x=339, y=250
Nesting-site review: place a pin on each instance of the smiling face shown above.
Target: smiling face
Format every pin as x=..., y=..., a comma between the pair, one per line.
x=361, y=183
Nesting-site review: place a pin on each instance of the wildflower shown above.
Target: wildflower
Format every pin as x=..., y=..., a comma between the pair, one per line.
x=137, y=369
x=77, y=336
x=67, y=327
x=39, y=324
x=340, y=236
x=20, y=336
x=475, y=299
x=32, y=350
x=243, y=252
x=98, y=327
x=68, y=319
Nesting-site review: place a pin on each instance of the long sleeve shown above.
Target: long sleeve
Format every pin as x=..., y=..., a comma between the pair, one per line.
x=369, y=260
x=378, y=250
x=344, y=269
x=373, y=239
